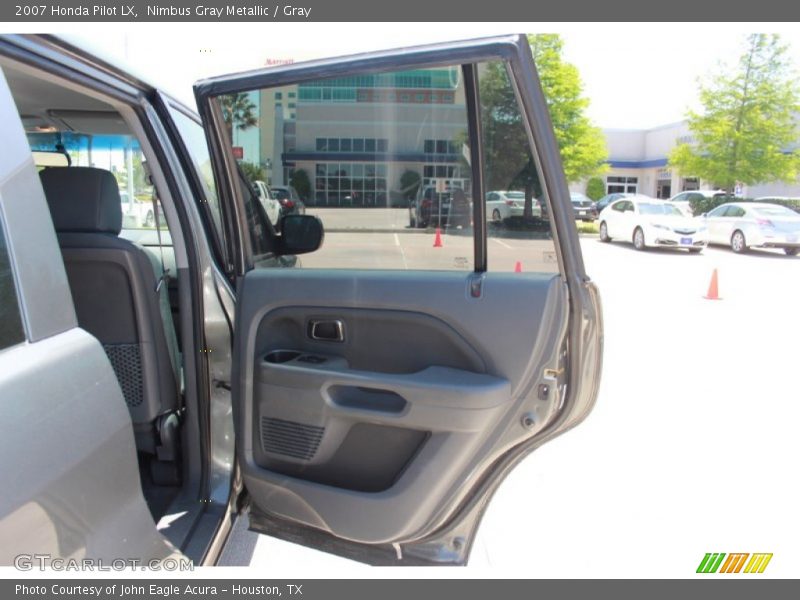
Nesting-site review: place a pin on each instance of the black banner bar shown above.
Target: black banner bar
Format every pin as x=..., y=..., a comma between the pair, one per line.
x=408, y=10
x=397, y=589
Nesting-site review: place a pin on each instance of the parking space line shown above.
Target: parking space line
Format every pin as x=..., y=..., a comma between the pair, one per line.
x=503, y=244
x=402, y=252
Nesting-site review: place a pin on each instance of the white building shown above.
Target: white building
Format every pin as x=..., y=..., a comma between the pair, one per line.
x=638, y=164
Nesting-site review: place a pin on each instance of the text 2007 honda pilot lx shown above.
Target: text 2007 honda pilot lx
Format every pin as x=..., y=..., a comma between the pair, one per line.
x=337, y=379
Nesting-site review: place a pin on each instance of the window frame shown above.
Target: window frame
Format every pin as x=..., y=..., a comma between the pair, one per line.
x=221, y=240
x=518, y=62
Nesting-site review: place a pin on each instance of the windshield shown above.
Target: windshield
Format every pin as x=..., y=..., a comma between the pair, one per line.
x=580, y=200
x=516, y=195
x=775, y=211
x=658, y=209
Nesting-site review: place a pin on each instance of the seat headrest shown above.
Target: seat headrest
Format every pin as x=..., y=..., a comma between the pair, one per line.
x=82, y=199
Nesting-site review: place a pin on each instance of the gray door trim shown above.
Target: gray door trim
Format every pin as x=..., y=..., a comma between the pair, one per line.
x=41, y=281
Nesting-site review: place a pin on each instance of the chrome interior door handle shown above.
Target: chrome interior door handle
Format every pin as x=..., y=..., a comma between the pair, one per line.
x=326, y=330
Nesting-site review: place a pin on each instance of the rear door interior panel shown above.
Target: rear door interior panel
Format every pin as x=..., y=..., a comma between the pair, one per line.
x=357, y=436
x=385, y=384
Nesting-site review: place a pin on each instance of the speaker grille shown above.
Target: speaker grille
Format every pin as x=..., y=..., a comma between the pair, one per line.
x=127, y=363
x=289, y=438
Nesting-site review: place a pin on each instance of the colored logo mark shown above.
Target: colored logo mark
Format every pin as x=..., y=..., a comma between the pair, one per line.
x=737, y=562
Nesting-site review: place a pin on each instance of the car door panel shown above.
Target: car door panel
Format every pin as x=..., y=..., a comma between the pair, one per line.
x=619, y=224
x=315, y=435
x=612, y=223
x=377, y=407
x=728, y=224
x=710, y=221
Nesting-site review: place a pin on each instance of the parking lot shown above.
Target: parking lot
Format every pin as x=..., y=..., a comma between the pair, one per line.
x=692, y=446
x=382, y=239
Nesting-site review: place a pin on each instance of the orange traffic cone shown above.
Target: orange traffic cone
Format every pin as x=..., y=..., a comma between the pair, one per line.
x=518, y=267
x=437, y=243
x=713, y=291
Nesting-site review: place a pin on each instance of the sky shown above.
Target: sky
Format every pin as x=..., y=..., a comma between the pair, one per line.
x=636, y=75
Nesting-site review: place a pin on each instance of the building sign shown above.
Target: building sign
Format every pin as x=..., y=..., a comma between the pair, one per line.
x=274, y=62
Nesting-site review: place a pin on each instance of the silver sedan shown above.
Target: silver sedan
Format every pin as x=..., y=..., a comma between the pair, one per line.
x=744, y=225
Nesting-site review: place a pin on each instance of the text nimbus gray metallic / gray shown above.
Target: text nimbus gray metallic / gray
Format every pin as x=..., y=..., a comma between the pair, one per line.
x=230, y=10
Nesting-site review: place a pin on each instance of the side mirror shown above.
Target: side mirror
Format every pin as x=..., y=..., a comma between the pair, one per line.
x=300, y=234
x=704, y=215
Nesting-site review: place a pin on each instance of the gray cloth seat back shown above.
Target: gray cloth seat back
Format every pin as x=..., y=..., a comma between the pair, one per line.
x=113, y=283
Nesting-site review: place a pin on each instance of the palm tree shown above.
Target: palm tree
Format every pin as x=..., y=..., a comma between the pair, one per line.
x=237, y=109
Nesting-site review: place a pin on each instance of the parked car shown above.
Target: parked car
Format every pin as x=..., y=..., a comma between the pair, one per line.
x=683, y=199
x=608, y=199
x=582, y=207
x=450, y=208
x=744, y=225
x=271, y=204
x=502, y=205
x=651, y=223
x=154, y=393
x=291, y=203
x=136, y=213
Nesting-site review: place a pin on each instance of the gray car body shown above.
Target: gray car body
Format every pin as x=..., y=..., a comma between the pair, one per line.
x=72, y=489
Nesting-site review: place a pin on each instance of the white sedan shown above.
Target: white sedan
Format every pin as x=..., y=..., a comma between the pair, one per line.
x=647, y=222
x=742, y=225
x=500, y=205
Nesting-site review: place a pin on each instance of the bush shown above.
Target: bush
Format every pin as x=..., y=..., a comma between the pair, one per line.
x=409, y=184
x=253, y=172
x=302, y=185
x=704, y=205
x=590, y=227
x=595, y=188
x=791, y=203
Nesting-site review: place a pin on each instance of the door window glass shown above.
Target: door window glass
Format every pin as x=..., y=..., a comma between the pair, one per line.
x=356, y=155
x=384, y=160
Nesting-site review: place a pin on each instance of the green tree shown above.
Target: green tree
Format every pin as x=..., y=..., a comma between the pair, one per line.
x=509, y=161
x=747, y=120
x=409, y=184
x=253, y=172
x=301, y=183
x=595, y=188
x=582, y=145
x=238, y=110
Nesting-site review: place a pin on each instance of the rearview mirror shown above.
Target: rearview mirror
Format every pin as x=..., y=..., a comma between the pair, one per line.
x=300, y=234
x=48, y=158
